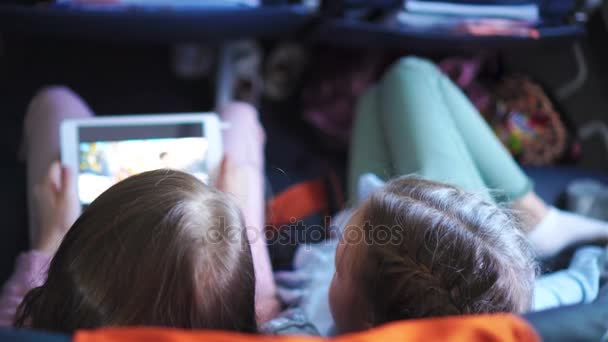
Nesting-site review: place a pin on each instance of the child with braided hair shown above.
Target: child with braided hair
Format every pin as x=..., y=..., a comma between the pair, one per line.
x=460, y=237
x=417, y=248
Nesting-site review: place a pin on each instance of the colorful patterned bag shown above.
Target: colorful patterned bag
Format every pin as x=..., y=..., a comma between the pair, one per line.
x=519, y=111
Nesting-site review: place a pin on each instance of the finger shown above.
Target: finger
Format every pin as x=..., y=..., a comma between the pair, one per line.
x=67, y=182
x=53, y=178
x=221, y=179
x=69, y=197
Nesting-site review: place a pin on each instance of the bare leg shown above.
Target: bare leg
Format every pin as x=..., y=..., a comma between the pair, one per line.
x=244, y=178
x=532, y=208
x=44, y=114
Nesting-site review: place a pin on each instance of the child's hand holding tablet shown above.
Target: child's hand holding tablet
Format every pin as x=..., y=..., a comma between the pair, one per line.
x=106, y=150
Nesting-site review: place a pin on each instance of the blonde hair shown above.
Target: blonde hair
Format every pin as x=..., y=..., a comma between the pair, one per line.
x=449, y=253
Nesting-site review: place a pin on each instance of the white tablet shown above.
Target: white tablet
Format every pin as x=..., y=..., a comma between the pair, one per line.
x=106, y=150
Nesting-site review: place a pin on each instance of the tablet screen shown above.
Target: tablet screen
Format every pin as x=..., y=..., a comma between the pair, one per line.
x=108, y=155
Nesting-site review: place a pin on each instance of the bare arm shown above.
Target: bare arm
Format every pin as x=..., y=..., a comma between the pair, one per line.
x=242, y=175
x=243, y=182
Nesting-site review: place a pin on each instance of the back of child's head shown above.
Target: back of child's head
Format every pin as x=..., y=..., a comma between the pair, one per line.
x=434, y=250
x=159, y=248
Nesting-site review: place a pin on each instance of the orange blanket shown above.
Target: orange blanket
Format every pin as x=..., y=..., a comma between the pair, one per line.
x=503, y=328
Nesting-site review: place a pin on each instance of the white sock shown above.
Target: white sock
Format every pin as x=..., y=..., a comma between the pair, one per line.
x=559, y=229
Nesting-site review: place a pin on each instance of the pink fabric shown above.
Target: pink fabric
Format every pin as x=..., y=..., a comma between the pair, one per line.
x=30, y=272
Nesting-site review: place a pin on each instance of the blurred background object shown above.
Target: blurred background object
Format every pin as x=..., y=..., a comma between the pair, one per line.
x=304, y=63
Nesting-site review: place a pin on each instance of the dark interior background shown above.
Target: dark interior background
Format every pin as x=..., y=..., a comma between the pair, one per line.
x=121, y=77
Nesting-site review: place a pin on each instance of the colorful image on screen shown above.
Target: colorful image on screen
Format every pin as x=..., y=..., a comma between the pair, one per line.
x=104, y=163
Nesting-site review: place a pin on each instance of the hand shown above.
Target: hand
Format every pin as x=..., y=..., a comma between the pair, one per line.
x=58, y=207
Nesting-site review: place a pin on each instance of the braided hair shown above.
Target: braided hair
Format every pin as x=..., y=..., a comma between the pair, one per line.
x=434, y=250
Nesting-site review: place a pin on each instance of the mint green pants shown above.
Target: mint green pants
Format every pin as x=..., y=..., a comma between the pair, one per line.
x=416, y=121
